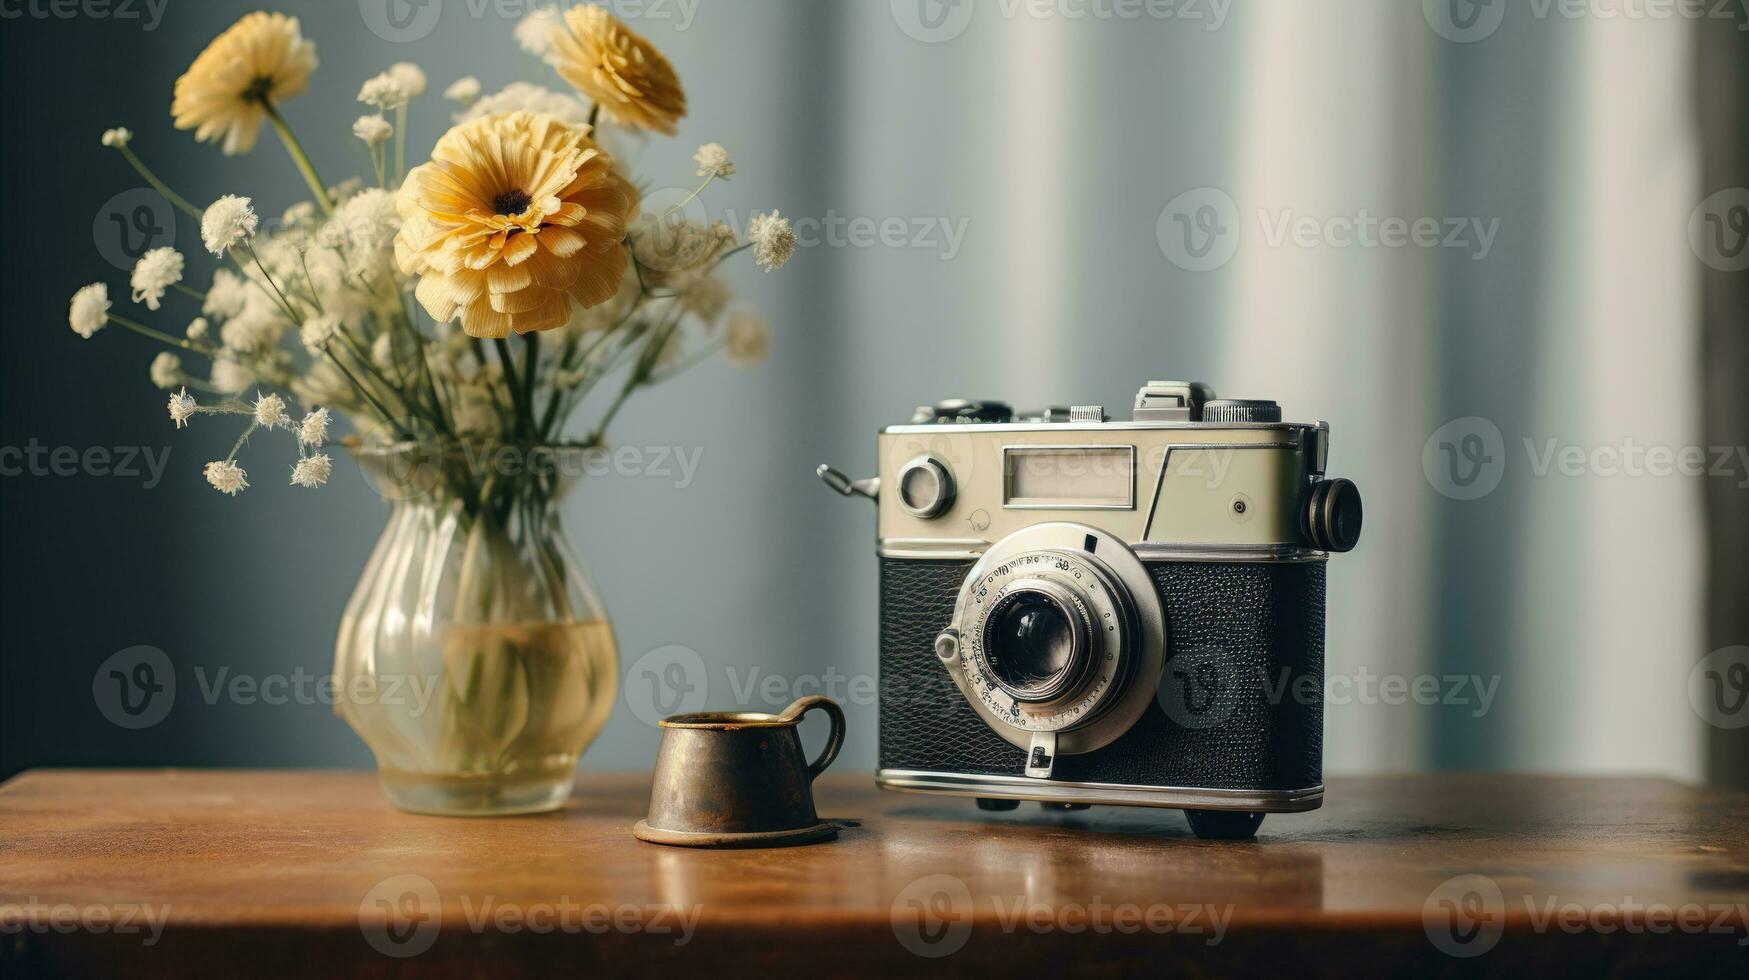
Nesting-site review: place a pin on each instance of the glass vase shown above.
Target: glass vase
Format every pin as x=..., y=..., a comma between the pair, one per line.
x=474, y=657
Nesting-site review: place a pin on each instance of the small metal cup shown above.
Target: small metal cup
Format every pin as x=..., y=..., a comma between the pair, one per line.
x=739, y=779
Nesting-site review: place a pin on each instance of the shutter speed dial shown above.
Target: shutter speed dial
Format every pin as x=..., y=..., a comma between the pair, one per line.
x=926, y=487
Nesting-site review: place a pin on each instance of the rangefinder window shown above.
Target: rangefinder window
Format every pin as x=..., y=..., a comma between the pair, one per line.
x=1070, y=477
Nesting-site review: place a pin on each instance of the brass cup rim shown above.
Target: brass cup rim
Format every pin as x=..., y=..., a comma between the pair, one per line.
x=729, y=720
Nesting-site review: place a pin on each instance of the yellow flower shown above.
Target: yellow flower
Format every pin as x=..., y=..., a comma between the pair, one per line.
x=513, y=217
x=621, y=71
x=224, y=95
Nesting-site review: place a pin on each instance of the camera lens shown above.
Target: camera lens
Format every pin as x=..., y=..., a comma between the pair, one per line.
x=1030, y=646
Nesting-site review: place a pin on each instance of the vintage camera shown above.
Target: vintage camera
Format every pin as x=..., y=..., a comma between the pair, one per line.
x=1076, y=610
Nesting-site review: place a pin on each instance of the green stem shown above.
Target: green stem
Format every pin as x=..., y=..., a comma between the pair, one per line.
x=509, y=363
x=299, y=157
x=189, y=291
x=159, y=336
x=284, y=304
x=237, y=447
x=400, y=143
x=362, y=390
x=531, y=354
x=178, y=200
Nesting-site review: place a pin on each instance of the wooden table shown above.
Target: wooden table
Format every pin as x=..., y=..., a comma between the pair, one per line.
x=247, y=873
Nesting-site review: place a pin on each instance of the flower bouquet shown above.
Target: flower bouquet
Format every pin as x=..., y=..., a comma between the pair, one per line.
x=456, y=314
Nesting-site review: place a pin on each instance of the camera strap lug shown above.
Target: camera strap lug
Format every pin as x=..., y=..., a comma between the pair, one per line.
x=870, y=487
x=1042, y=756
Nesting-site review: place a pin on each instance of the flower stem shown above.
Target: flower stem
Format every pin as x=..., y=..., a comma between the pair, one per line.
x=509, y=363
x=284, y=304
x=238, y=446
x=189, y=291
x=178, y=200
x=689, y=198
x=159, y=336
x=298, y=156
x=531, y=354
x=400, y=143
x=388, y=416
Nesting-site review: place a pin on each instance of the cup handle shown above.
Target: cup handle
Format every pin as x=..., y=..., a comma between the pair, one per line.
x=834, y=741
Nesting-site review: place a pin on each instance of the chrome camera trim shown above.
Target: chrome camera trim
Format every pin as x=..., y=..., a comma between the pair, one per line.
x=1111, y=794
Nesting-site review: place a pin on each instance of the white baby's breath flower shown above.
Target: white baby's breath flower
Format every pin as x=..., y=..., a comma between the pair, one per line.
x=166, y=370
x=313, y=430
x=229, y=377
x=89, y=310
x=706, y=298
x=198, y=329
x=317, y=331
x=749, y=338
x=374, y=130
x=340, y=193
x=225, y=222
x=473, y=412
x=535, y=31
x=383, y=91
x=154, y=273
x=773, y=240
x=301, y=213
x=523, y=96
x=713, y=161
x=270, y=411
x=226, y=477
x=382, y=352
x=227, y=295
x=118, y=137
x=182, y=406
x=312, y=471
x=410, y=77
x=463, y=90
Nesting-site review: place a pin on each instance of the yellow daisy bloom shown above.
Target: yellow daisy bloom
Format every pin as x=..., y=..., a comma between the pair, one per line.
x=616, y=67
x=514, y=217
x=224, y=95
